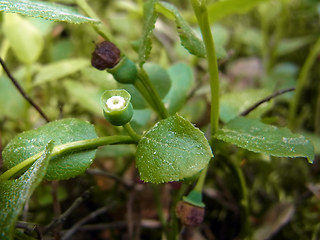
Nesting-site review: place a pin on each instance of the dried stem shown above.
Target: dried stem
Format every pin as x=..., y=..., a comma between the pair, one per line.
x=29, y=228
x=22, y=92
x=91, y=216
x=63, y=217
x=278, y=93
x=56, y=207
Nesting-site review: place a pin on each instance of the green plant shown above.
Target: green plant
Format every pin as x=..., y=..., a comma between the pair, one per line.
x=172, y=149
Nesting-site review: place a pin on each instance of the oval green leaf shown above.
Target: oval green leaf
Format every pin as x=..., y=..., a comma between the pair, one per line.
x=172, y=150
x=63, y=131
x=46, y=10
x=253, y=135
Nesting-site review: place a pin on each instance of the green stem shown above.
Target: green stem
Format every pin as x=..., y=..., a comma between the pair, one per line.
x=201, y=12
x=69, y=147
x=244, y=202
x=99, y=28
x=145, y=80
x=173, y=226
x=140, y=87
x=302, y=82
x=132, y=132
x=159, y=205
x=199, y=185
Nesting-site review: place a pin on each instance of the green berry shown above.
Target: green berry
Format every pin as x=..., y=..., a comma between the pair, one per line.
x=125, y=71
x=116, y=106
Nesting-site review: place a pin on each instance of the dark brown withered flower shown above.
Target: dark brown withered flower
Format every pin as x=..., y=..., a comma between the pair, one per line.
x=106, y=55
x=189, y=215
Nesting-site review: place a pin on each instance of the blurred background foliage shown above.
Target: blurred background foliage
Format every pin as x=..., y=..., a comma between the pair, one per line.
x=260, y=52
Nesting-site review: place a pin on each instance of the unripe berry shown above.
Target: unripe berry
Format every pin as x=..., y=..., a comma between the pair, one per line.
x=116, y=106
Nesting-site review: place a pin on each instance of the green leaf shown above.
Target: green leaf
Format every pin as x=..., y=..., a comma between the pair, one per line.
x=46, y=10
x=181, y=76
x=63, y=131
x=25, y=39
x=253, y=135
x=172, y=150
x=225, y=8
x=14, y=193
x=232, y=104
x=149, y=19
x=61, y=69
x=187, y=37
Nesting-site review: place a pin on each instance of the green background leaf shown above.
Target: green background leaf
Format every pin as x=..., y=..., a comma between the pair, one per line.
x=253, y=135
x=182, y=79
x=63, y=131
x=172, y=150
x=232, y=104
x=84, y=95
x=25, y=39
x=58, y=70
x=12, y=104
x=224, y=8
x=14, y=193
x=187, y=37
x=50, y=11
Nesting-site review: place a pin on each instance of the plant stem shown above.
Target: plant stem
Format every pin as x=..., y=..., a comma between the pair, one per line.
x=159, y=206
x=201, y=179
x=145, y=80
x=302, y=82
x=132, y=132
x=99, y=28
x=68, y=147
x=201, y=12
x=140, y=87
x=173, y=226
x=244, y=202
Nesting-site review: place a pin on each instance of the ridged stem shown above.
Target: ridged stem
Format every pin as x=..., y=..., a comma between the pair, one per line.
x=302, y=82
x=68, y=147
x=146, y=82
x=200, y=9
